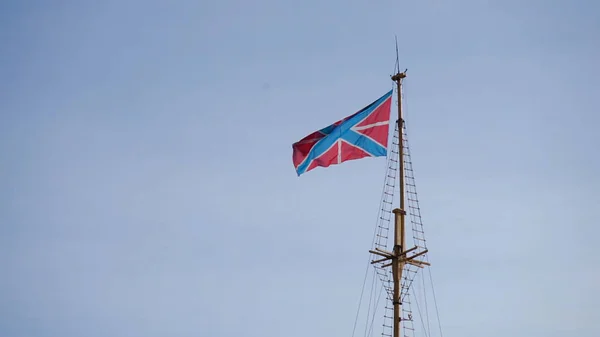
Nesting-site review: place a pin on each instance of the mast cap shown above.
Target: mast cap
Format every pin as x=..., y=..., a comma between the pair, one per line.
x=399, y=76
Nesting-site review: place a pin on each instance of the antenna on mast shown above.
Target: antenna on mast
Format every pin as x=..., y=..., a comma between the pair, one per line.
x=397, y=67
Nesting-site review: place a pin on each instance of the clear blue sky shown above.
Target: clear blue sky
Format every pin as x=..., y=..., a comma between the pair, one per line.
x=147, y=187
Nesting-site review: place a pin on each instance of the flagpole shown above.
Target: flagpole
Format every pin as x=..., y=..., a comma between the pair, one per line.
x=399, y=218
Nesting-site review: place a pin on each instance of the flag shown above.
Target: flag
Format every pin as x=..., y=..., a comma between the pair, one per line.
x=363, y=134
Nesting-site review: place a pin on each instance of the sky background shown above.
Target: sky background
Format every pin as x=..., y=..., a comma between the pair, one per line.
x=147, y=187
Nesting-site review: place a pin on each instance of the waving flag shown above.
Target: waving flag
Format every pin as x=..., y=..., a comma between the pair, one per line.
x=363, y=134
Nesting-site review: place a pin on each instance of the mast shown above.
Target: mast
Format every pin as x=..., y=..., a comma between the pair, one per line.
x=400, y=214
x=398, y=255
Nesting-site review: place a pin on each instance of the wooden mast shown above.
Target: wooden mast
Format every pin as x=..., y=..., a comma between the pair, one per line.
x=400, y=214
x=399, y=256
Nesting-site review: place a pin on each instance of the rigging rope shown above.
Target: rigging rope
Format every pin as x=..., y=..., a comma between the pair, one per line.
x=370, y=301
x=374, y=311
x=425, y=331
x=437, y=313
x=426, y=306
x=381, y=230
x=418, y=231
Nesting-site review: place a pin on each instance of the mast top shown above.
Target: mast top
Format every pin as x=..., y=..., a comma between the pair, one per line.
x=399, y=76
